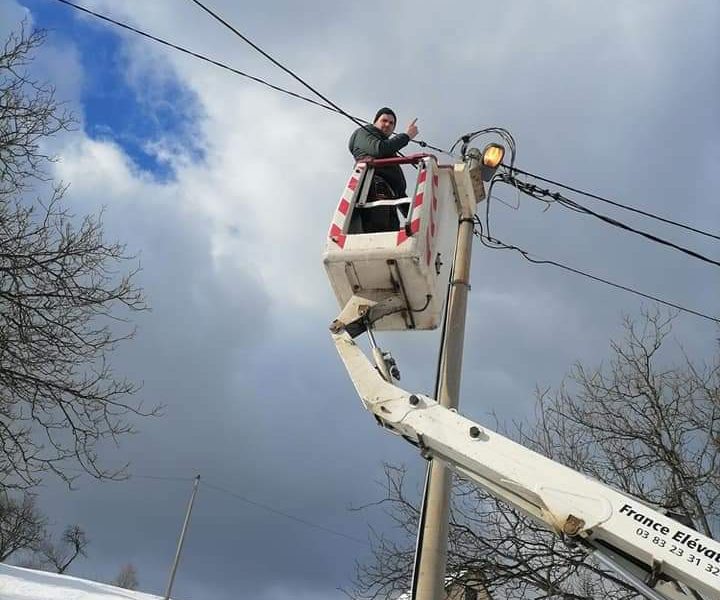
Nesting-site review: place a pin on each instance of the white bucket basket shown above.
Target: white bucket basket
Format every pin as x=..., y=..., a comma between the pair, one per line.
x=411, y=259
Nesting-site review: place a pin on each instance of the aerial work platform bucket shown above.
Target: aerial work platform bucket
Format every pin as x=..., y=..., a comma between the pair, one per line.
x=407, y=261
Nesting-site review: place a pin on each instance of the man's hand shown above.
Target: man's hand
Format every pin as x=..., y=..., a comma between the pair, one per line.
x=412, y=129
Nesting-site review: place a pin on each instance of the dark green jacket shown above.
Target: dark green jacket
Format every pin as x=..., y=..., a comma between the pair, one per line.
x=369, y=141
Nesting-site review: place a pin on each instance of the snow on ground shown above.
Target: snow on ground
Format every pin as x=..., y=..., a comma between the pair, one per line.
x=17, y=583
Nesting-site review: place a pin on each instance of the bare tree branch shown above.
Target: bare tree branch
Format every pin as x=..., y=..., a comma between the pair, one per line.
x=29, y=113
x=22, y=526
x=60, y=556
x=65, y=301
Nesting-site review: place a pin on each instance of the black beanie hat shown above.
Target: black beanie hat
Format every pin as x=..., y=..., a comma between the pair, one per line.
x=385, y=111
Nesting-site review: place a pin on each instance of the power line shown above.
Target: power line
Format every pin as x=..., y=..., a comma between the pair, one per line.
x=540, y=194
x=614, y=203
x=487, y=240
x=501, y=132
x=127, y=476
x=161, y=478
x=275, y=511
x=194, y=54
x=338, y=109
x=257, y=48
x=227, y=67
x=223, y=490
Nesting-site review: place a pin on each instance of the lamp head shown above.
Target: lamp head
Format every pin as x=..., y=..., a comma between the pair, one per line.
x=492, y=157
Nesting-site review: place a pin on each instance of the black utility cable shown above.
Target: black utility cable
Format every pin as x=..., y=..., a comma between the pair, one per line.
x=257, y=48
x=539, y=261
x=244, y=38
x=275, y=511
x=501, y=132
x=614, y=203
x=539, y=193
x=195, y=54
x=161, y=478
x=241, y=498
x=222, y=65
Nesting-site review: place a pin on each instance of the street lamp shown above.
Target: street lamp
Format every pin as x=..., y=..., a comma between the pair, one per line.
x=492, y=156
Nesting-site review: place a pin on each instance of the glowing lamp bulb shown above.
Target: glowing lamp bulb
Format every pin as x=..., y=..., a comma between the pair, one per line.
x=493, y=155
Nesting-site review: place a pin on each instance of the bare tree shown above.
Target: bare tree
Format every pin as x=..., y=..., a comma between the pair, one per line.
x=29, y=113
x=64, y=300
x=127, y=578
x=59, y=556
x=649, y=429
x=22, y=526
x=24, y=536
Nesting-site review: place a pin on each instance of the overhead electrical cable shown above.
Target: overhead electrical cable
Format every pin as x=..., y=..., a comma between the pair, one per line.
x=227, y=492
x=278, y=64
x=161, y=478
x=541, y=194
x=614, y=203
x=125, y=476
x=224, y=66
x=497, y=244
x=195, y=54
x=244, y=38
x=281, y=513
x=501, y=132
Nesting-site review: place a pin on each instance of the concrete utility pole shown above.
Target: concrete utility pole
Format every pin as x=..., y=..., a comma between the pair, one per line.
x=429, y=578
x=176, y=561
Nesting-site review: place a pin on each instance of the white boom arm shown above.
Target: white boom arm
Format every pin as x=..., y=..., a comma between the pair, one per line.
x=652, y=550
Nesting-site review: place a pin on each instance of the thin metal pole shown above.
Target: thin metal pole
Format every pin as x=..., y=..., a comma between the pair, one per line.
x=182, y=538
x=433, y=551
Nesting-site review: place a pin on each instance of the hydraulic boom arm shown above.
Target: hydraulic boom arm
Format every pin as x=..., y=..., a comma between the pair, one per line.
x=652, y=551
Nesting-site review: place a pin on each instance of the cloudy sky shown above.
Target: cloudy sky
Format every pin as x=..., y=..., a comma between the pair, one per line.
x=225, y=190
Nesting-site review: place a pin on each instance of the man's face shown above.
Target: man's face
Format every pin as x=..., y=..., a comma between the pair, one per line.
x=386, y=124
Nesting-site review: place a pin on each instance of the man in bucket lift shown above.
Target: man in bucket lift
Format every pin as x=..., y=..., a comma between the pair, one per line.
x=373, y=141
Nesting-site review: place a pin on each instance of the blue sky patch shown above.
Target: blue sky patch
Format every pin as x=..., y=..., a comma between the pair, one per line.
x=151, y=120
